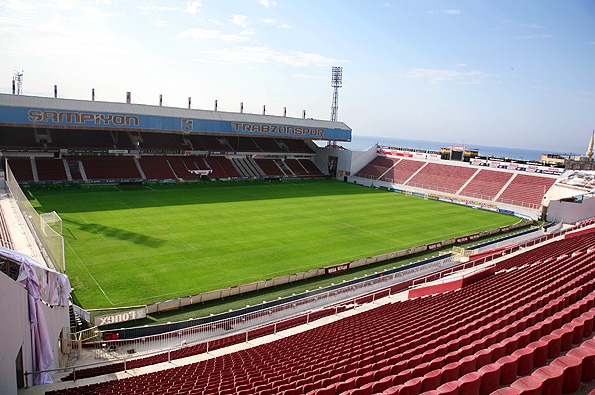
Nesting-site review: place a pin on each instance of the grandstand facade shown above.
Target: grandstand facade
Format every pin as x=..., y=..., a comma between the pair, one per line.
x=58, y=140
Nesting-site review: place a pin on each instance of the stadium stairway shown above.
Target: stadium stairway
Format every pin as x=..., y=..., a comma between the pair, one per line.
x=527, y=325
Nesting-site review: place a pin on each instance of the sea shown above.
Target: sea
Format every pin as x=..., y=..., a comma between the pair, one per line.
x=361, y=143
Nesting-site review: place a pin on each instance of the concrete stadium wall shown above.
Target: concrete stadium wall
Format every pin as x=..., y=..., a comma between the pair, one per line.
x=231, y=291
x=359, y=159
x=16, y=333
x=343, y=159
x=570, y=212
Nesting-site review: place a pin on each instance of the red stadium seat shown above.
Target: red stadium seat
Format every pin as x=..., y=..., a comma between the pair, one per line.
x=572, y=372
x=552, y=379
x=528, y=385
x=490, y=378
x=587, y=357
x=509, y=367
x=470, y=384
x=525, y=360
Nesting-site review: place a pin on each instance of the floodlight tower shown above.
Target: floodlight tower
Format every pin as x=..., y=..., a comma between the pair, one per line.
x=18, y=80
x=336, y=83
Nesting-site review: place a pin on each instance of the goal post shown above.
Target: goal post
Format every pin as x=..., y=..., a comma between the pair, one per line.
x=53, y=221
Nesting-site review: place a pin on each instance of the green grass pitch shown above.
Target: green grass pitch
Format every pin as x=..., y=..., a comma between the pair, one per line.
x=140, y=245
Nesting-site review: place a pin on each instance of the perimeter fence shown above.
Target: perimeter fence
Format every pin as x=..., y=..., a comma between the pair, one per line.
x=50, y=242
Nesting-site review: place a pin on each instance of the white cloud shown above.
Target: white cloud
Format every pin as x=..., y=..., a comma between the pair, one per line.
x=532, y=36
x=250, y=54
x=310, y=76
x=200, y=34
x=461, y=65
x=273, y=22
x=532, y=25
x=92, y=13
x=159, y=23
x=267, y=3
x=452, y=12
x=192, y=6
x=437, y=76
x=207, y=34
x=240, y=20
x=152, y=8
x=63, y=4
x=19, y=6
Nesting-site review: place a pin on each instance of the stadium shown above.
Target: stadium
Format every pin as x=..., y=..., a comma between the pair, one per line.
x=428, y=272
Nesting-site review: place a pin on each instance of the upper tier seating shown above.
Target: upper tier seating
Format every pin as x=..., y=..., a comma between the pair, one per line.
x=270, y=145
x=210, y=143
x=244, y=144
x=295, y=145
x=161, y=142
x=486, y=335
x=18, y=139
x=88, y=140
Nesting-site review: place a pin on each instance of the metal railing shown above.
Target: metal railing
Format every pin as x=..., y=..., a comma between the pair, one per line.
x=347, y=292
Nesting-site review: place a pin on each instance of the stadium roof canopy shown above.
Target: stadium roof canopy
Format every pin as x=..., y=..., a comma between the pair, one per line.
x=33, y=111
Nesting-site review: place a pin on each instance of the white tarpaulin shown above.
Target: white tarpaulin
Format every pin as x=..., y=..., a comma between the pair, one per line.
x=42, y=284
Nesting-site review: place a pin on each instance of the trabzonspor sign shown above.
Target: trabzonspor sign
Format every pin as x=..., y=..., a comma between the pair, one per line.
x=282, y=129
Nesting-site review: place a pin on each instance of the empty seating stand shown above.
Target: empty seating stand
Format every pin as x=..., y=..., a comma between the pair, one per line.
x=441, y=177
x=109, y=168
x=515, y=329
x=526, y=190
x=21, y=169
x=402, y=171
x=377, y=167
x=50, y=169
x=486, y=184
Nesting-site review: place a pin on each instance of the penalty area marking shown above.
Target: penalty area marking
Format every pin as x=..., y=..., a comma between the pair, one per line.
x=90, y=275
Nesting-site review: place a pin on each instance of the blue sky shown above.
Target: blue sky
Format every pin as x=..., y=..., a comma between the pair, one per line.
x=503, y=73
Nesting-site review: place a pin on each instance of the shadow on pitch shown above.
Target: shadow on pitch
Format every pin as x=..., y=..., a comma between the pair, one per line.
x=116, y=233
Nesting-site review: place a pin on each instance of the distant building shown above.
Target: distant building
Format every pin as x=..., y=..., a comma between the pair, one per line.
x=581, y=162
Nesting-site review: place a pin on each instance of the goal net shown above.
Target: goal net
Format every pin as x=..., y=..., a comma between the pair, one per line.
x=53, y=221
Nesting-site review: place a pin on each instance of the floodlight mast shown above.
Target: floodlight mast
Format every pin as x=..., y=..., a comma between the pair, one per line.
x=17, y=83
x=336, y=83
